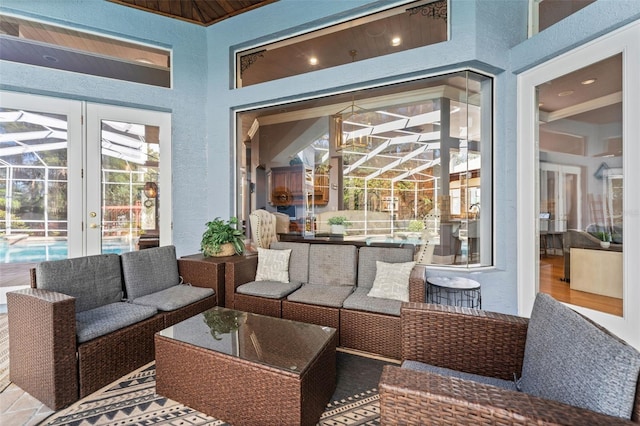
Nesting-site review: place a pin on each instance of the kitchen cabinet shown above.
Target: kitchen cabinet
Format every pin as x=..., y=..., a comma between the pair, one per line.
x=287, y=187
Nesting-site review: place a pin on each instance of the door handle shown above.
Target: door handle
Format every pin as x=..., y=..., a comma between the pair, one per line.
x=93, y=225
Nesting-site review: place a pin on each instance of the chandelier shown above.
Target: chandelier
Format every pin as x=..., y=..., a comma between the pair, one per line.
x=354, y=139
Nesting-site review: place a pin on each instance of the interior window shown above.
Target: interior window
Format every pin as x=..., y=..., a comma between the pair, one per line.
x=419, y=23
x=403, y=163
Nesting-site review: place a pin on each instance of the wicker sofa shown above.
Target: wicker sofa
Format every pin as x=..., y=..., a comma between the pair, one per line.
x=459, y=366
x=73, y=332
x=329, y=285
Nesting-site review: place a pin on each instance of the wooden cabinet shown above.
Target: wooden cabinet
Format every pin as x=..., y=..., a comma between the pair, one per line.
x=287, y=187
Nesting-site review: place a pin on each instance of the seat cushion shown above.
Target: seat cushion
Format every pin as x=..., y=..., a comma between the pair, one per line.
x=268, y=289
x=368, y=256
x=174, y=297
x=93, y=280
x=360, y=301
x=324, y=295
x=273, y=265
x=105, y=319
x=419, y=366
x=569, y=359
x=149, y=271
x=332, y=264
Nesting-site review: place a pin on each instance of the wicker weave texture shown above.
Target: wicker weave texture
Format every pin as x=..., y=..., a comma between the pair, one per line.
x=457, y=338
x=224, y=386
x=107, y=358
x=236, y=273
x=202, y=273
x=419, y=398
x=313, y=314
x=370, y=332
x=42, y=345
x=258, y=305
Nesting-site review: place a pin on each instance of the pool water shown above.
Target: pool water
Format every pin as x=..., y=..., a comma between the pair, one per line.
x=38, y=251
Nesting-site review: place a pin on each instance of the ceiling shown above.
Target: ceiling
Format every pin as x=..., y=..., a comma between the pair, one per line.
x=202, y=12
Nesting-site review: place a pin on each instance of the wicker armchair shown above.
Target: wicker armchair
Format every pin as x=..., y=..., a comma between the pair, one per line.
x=471, y=341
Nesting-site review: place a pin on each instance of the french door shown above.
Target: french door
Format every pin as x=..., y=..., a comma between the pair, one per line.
x=80, y=178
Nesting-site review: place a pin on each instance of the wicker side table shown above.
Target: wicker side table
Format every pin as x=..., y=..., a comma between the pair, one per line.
x=454, y=291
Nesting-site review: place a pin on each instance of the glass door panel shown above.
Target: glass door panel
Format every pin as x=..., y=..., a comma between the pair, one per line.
x=580, y=128
x=39, y=172
x=123, y=179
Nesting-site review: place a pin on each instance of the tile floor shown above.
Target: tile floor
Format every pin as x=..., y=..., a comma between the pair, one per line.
x=18, y=408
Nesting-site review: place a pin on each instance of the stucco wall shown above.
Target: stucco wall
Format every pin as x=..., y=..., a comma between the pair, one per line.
x=489, y=35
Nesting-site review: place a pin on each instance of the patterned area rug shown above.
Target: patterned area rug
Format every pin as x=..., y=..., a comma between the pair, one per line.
x=4, y=352
x=132, y=401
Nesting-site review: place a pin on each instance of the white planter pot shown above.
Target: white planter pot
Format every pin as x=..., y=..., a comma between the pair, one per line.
x=337, y=229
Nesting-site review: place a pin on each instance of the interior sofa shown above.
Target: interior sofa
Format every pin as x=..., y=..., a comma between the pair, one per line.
x=468, y=367
x=87, y=321
x=329, y=285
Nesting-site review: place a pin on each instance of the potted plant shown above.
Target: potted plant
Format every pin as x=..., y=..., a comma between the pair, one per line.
x=338, y=223
x=415, y=228
x=222, y=238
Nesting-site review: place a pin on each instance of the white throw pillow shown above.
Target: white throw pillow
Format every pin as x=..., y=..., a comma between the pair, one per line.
x=273, y=265
x=392, y=281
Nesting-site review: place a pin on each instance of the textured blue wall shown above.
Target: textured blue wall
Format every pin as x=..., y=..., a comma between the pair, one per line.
x=489, y=35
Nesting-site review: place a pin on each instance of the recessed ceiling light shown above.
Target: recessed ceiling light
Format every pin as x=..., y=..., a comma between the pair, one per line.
x=396, y=41
x=313, y=60
x=50, y=58
x=588, y=81
x=566, y=93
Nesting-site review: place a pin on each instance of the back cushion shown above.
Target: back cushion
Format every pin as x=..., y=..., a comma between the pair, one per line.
x=332, y=264
x=93, y=280
x=298, y=260
x=568, y=359
x=369, y=255
x=150, y=270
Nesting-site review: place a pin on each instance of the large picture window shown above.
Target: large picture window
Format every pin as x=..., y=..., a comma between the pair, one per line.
x=405, y=163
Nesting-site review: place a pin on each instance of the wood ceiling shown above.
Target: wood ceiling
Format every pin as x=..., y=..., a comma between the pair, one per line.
x=201, y=12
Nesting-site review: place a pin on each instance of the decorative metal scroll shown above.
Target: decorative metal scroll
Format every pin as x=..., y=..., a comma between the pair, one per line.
x=436, y=10
x=247, y=60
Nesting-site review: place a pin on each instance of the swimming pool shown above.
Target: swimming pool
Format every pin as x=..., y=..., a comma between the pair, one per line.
x=37, y=251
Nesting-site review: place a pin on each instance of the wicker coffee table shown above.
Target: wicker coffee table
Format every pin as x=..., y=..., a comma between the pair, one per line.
x=248, y=369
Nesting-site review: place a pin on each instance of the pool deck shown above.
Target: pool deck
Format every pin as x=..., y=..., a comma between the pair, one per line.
x=15, y=274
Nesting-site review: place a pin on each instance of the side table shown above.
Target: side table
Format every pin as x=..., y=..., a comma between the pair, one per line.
x=196, y=268
x=455, y=291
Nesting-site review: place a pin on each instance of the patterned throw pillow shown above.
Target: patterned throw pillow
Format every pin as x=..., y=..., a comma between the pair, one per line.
x=392, y=281
x=273, y=265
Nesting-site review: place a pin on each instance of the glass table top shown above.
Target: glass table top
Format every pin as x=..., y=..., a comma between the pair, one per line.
x=280, y=343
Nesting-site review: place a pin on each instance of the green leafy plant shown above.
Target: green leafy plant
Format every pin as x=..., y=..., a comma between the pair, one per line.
x=220, y=232
x=416, y=226
x=222, y=321
x=338, y=220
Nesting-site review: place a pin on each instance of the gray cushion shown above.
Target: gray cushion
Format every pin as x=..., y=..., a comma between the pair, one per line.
x=568, y=359
x=419, y=366
x=150, y=270
x=332, y=264
x=174, y=297
x=105, y=319
x=313, y=294
x=298, y=260
x=93, y=280
x=359, y=300
x=367, y=261
x=268, y=289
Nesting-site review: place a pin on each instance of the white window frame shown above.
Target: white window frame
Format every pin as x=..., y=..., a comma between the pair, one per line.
x=625, y=41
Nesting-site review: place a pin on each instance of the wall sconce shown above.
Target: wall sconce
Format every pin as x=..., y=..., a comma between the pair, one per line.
x=150, y=190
